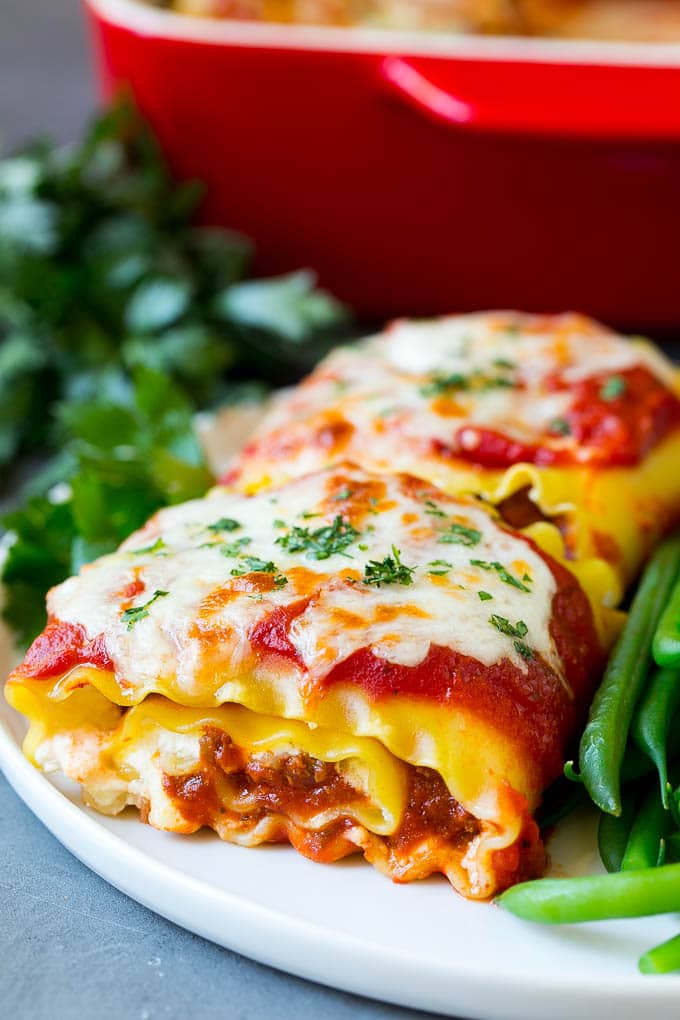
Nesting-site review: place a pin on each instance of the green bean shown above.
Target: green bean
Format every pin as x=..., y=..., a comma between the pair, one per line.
x=604, y=739
x=651, y=825
x=662, y=959
x=596, y=897
x=613, y=832
x=666, y=644
x=652, y=721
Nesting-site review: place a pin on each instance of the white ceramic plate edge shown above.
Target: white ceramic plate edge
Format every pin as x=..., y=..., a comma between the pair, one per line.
x=322, y=954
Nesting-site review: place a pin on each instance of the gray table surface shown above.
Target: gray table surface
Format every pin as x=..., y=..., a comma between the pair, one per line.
x=70, y=945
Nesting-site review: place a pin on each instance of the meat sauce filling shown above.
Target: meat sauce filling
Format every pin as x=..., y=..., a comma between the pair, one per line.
x=299, y=787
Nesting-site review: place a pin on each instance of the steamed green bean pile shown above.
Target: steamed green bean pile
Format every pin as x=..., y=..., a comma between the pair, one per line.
x=629, y=766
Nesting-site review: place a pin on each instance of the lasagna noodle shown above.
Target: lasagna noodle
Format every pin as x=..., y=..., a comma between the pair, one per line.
x=215, y=617
x=255, y=778
x=387, y=404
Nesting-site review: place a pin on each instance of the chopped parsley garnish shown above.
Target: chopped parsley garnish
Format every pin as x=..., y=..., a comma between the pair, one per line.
x=484, y=596
x=388, y=571
x=157, y=546
x=225, y=524
x=504, y=363
x=517, y=630
x=343, y=494
x=523, y=649
x=458, y=534
x=432, y=509
x=613, y=388
x=278, y=523
x=443, y=567
x=234, y=548
x=439, y=384
x=280, y=581
x=560, y=426
x=255, y=565
x=502, y=572
x=134, y=614
x=330, y=540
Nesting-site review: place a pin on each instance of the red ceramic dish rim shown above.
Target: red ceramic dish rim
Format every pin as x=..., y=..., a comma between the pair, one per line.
x=154, y=22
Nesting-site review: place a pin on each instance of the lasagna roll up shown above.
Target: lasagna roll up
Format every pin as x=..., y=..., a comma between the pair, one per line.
x=351, y=663
x=560, y=423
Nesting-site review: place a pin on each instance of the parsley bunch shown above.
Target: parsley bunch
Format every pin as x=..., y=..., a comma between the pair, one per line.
x=322, y=543
x=103, y=270
x=119, y=318
x=122, y=460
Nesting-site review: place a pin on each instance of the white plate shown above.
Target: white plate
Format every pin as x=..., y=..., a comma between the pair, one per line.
x=345, y=925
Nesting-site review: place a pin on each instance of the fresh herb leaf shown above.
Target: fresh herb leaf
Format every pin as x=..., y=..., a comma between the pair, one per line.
x=484, y=596
x=523, y=649
x=442, y=567
x=253, y=564
x=103, y=271
x=326, y=541
x=432, y=509
x=136, y=613
x=117, y=318
x=156, y=547
x=343, y=494
x=225, y=524
x=560, y=426
x=458, y=534
x=289, y=306
x=234, y=548
x=516, y=630
x=505, y=575
x=440, y=384
x=613, y=388
x=390, y=570
x=112, y=482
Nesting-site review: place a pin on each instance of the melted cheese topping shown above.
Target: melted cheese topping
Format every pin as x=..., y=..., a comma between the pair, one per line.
x=377, y=402
x=217, y=588
x=389, y=389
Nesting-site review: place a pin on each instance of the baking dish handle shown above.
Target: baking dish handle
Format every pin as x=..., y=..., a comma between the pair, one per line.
x=534, y=98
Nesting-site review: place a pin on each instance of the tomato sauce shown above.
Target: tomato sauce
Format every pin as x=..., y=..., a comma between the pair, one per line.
x=532, y=706
x=611, y=431
x=271, y=634
x=60, y=647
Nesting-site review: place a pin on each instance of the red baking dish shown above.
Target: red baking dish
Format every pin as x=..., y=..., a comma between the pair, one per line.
x=423, y=173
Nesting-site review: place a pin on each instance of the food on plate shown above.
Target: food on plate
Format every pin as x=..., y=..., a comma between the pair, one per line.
x=634, y=20
x=350, y=662
x=639, y=828
x=604, y=740
x=562, y=424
